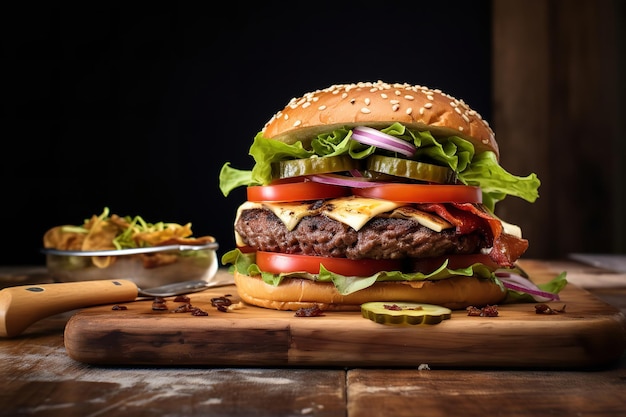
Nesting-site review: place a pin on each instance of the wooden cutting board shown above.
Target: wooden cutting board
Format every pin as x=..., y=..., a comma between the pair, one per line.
x=589, y=334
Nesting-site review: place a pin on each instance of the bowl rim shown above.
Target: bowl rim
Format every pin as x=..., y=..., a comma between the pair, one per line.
x=130, y=251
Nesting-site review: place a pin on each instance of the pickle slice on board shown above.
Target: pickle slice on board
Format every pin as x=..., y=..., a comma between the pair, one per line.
x=409, y=169
x=400, y=313
x=315, y=165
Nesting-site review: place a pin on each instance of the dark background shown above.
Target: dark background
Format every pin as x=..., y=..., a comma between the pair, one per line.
x=138, y=109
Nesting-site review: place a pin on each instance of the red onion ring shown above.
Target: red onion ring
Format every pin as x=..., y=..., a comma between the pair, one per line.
x=518, y=283
x=369, y=136
x=342, y=180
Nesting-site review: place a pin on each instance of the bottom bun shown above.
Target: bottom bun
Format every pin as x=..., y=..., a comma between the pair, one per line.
x=294, y=293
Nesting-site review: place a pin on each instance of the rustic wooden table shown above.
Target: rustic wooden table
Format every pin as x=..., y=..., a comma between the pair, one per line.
x=40, y=379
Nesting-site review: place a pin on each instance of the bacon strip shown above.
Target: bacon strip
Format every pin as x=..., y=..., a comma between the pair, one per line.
x=469, y=217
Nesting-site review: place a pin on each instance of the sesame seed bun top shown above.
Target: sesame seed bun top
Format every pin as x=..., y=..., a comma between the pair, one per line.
x=379, y=104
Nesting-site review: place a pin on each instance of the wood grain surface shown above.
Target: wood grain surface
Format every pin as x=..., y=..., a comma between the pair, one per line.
x=40, y=379
x=590, y=333
x=482, y=393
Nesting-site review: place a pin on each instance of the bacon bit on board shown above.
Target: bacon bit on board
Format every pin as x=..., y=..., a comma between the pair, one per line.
x=182, y=299
x=486, y=311
x=159, y=304
x=183, y=308
x=314, y=311
x=119, y=307
x=546, y=309
x=223, y=304
x=195, y=311
x=188, y=308
x=221, y=301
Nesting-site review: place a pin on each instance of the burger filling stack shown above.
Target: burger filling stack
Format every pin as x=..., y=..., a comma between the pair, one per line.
x=378, y=192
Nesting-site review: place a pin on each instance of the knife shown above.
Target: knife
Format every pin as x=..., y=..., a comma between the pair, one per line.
x=23, y=305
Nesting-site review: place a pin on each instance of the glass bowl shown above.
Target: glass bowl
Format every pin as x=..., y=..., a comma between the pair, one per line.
x=147, y=267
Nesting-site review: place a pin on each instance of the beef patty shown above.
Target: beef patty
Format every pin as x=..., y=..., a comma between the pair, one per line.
x=381, y=238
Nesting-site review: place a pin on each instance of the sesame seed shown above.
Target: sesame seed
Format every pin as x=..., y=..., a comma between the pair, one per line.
x=386, y=91
x=297, y=123
x=352, y=101
x=485, y=141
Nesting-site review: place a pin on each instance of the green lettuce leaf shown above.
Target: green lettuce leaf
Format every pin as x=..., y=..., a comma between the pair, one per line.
x=482, y=170
x=244, y=263
x=554, y=286
x=496, y=183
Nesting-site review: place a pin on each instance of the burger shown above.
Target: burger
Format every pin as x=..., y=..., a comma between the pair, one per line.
x=375, y=191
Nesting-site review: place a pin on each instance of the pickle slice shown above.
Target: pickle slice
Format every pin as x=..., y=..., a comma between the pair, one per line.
x=313, y=165
x=410, y=169
x=403, y=313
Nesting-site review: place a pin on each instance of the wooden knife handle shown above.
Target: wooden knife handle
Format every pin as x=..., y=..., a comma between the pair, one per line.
x=23, y=305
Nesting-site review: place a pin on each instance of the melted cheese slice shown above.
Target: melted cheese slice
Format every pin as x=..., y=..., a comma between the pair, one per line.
x=356, y=211
x=353, y=211
x=291, y=213
x=511, y=229
x=432, y=221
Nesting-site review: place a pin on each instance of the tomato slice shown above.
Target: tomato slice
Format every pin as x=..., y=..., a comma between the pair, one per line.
x=428, y=265
x=295, y=191
x=283, y=262
x=423, y=193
